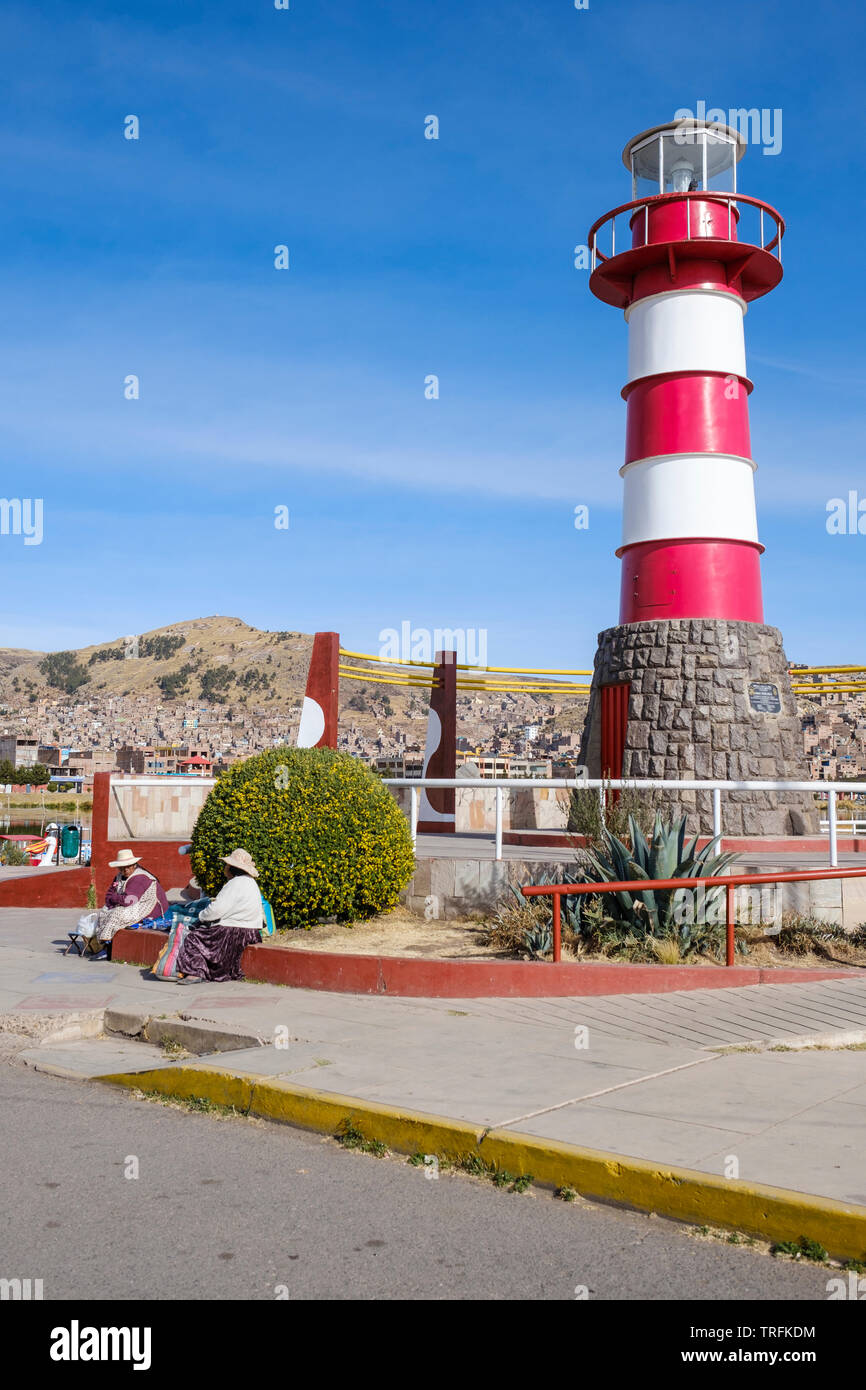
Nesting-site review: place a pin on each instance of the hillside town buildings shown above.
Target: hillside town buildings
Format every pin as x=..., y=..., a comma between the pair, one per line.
x=503, y=736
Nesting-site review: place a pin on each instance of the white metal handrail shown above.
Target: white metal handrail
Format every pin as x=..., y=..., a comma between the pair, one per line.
x=602, y=784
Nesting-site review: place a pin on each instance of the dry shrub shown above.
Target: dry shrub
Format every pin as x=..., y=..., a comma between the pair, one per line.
x=506, y=930
x=803, y=934
x=585, y=818
x=806, y=935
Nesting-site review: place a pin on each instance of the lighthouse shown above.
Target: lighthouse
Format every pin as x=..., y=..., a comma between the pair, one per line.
x=691, y=683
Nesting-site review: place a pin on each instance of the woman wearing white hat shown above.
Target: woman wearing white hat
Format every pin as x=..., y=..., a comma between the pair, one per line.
x=213, y=946
x=134, y=895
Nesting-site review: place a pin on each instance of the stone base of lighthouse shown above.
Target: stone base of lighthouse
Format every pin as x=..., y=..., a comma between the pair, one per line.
x=706, y=699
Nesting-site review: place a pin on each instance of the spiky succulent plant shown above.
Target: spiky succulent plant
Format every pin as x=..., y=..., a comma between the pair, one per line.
x=666, y=855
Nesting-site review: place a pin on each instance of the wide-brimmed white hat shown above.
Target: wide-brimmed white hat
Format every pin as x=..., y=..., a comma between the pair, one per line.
x=124, y=858
x=241, y=859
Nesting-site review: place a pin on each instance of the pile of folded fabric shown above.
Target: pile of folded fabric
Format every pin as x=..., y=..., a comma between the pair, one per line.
x=187, y=912
x=155, y=923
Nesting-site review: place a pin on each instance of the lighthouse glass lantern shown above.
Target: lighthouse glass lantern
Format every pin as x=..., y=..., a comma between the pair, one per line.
x=686, y=158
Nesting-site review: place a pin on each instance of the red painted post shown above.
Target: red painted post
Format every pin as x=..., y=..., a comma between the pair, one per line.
x=729, y=924
x=320, y=711
x=436, y=811
x=99, y=855
x=557, y=927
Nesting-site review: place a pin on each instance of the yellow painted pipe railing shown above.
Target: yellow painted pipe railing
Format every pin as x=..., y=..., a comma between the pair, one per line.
x=796, y=674
x=500, y=670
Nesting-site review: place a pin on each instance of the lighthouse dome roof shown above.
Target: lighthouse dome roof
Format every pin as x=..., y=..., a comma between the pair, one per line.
x=690, y=125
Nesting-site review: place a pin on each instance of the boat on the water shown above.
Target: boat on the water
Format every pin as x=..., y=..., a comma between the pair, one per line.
x=56, y=846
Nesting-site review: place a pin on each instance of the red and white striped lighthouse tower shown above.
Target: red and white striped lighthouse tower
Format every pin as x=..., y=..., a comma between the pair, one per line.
x=684, y=259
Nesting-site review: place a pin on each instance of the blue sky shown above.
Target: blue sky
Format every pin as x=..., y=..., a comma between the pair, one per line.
x=305, y=388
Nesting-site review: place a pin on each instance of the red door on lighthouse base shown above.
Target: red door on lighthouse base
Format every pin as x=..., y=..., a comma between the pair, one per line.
x=614, y=726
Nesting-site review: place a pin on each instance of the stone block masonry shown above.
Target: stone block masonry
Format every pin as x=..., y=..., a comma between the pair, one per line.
x=709, y=698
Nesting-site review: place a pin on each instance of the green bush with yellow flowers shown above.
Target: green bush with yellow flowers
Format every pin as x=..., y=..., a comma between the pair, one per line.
x=327, y=838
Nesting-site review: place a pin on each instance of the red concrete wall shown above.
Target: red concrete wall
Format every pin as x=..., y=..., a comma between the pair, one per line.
x=161, y=857
x=470, y=979
x=137, y=947
x=47, y=888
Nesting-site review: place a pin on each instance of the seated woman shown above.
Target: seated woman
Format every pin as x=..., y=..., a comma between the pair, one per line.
x=213, y=946
x=134, y=895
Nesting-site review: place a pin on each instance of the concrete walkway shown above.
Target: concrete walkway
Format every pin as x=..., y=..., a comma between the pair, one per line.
x=482, y=845
x=636, y=1075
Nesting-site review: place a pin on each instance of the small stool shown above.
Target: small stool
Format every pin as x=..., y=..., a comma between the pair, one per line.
x=77, y=942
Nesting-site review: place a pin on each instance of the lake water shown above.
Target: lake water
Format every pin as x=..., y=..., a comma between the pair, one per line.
x=12, y=822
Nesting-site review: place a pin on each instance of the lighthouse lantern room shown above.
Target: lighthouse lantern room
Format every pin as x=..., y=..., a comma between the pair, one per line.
x=684, y=158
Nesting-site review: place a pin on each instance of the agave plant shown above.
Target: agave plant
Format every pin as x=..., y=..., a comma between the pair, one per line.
x=539, y=941
x=570, y=906
x=666, y=855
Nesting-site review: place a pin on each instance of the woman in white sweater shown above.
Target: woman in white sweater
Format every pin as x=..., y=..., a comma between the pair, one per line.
x=213, y=946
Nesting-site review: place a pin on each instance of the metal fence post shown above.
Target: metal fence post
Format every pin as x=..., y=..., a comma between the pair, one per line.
x=498, y=823
x=729, y=924
x=413, y=814
x=834, y=844
x=717, y=813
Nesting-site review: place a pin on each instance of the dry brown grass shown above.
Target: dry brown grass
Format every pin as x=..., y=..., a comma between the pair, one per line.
x=666, y=950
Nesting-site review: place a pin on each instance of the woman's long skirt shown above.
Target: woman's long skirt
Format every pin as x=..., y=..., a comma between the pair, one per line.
x=213, y=952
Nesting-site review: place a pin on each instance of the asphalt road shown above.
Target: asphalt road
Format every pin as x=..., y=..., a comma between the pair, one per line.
x=231, y=1208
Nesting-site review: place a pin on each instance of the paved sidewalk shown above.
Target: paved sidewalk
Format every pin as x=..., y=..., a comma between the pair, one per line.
x=482, y=845
x=645, y=1078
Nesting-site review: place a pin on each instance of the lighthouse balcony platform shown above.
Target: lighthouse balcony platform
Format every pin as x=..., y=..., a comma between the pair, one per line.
x=685, y=241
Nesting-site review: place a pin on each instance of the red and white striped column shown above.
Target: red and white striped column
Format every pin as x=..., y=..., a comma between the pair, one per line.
x=320, y=713
x=690, y=543
x=684, y=278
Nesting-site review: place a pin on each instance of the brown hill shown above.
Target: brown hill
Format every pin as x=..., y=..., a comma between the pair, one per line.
x=225, y=661
x=215, y=657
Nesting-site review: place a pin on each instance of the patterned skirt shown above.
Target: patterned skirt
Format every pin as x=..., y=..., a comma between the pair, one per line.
x=213, y=952
x=110, y=920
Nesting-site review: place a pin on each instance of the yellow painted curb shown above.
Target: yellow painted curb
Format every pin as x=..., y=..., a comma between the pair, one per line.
x=190, y=1083
x=772, y=1213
